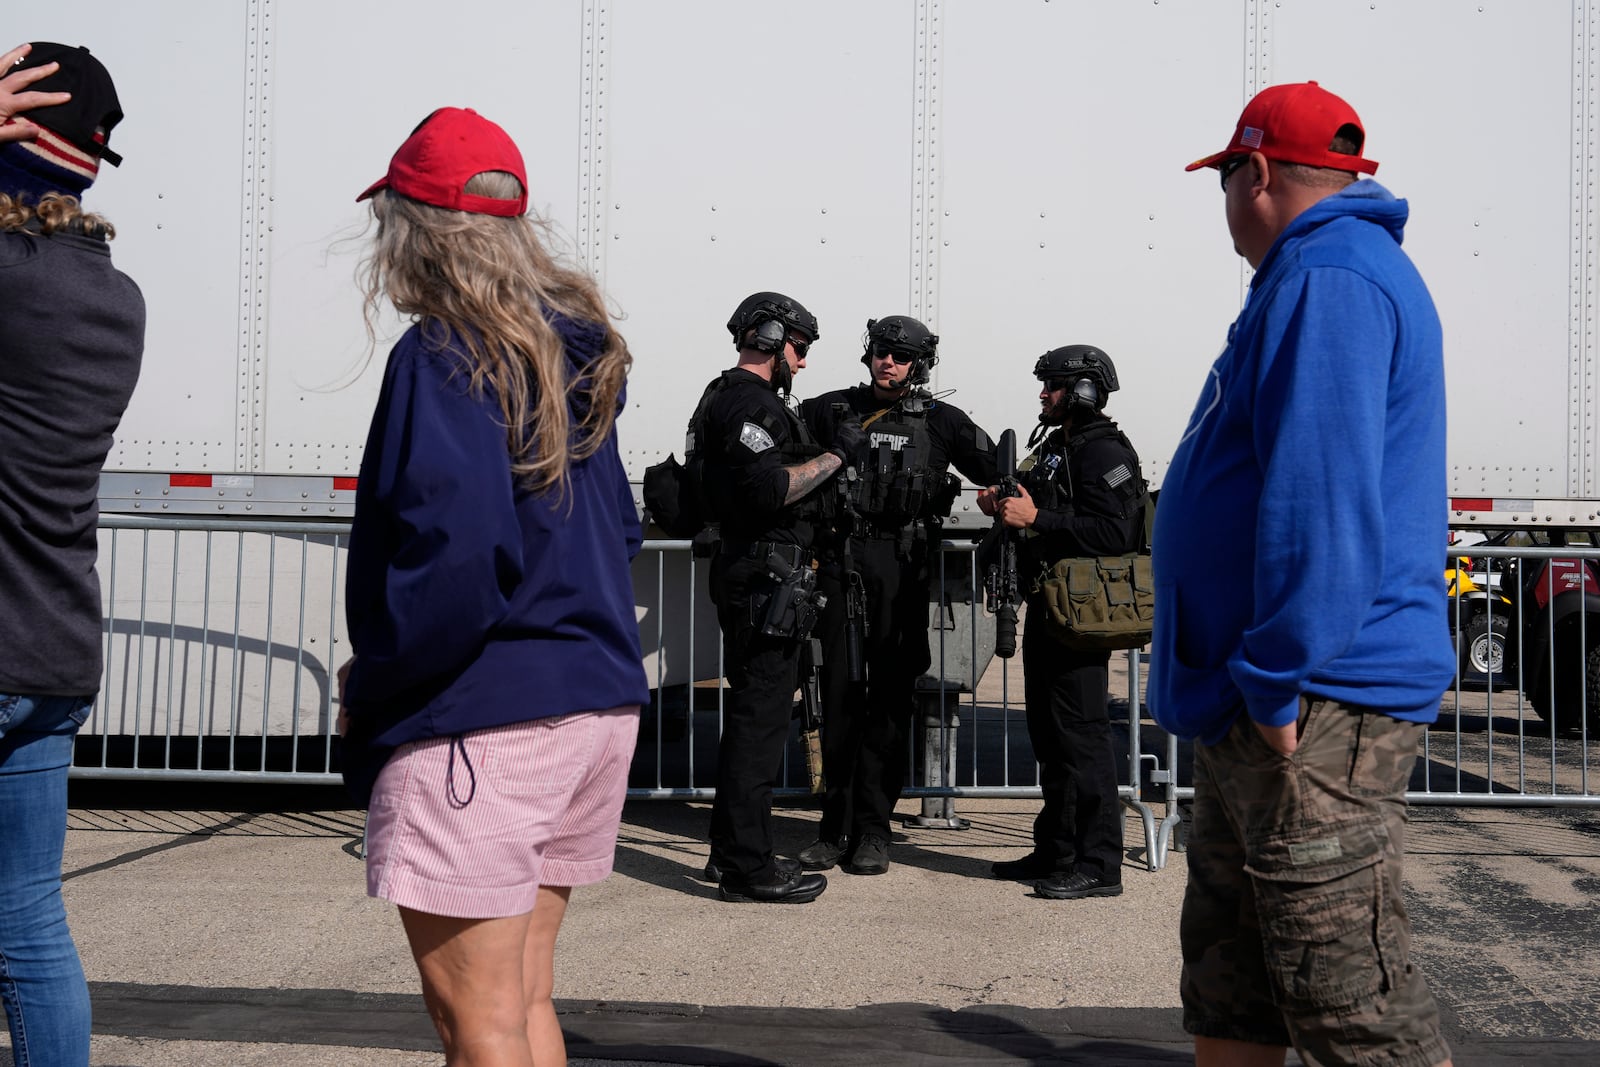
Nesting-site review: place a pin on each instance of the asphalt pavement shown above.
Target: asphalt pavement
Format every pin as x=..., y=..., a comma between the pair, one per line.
x=229, y=925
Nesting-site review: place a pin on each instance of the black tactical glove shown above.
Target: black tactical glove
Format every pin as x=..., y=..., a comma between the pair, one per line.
x=848, y=437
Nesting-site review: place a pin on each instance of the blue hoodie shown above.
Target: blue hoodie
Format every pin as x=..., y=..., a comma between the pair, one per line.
x=472, y=603
x=1301, y=524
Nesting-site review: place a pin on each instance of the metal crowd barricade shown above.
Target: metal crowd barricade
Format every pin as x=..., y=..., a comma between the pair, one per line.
x=222, y=637
x=1548, y=764
x=973, y=736
x=1496, y=742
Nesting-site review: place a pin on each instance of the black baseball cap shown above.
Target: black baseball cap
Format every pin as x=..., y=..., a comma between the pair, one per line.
x=87, y=119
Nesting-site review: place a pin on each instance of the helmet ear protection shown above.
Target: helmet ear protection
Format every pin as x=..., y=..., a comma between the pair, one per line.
x=1087, y=393
x=769, y=336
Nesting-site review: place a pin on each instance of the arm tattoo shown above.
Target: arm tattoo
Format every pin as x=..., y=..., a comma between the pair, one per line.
x=804, y=477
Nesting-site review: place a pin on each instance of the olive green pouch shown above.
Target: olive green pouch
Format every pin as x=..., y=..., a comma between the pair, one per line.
x=1100, y=602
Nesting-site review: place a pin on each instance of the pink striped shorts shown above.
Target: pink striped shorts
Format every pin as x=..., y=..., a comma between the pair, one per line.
x=472, y=826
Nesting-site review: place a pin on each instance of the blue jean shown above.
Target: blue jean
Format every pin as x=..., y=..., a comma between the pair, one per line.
x=41, y=978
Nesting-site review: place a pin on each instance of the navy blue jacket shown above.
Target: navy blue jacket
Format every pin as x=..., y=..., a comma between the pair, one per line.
x=472, y=603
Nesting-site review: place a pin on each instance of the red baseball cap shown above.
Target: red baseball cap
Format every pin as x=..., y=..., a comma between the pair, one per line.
x=447, y=150
x=1294, y=124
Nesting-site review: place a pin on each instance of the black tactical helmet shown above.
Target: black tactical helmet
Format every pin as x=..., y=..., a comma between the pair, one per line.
x=903, y=334
x=757, y=308
x=1076, y=363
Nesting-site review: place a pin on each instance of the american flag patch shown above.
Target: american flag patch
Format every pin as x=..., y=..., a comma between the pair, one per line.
x=1250, y=138
x=1117, y=475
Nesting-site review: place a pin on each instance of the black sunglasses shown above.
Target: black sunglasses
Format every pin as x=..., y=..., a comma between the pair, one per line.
x=1225, y=170
x=902, y=358
x=1055, y=385
x=801, y=346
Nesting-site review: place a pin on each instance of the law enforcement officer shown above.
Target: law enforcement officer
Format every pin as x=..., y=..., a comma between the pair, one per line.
x=762, y=475
x=876, y=579
x=1081, y=495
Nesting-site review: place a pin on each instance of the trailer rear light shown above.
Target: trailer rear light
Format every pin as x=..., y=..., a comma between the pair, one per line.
x=347, y=485
x=189, y=481
x=1472, y=504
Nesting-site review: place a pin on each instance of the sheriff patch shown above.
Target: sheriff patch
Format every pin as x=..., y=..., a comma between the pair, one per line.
x=895, y=441
x=755, y=438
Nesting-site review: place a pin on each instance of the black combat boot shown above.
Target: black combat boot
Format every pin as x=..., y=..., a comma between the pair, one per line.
x=781, y=887
x=820, y=855
x=870, y=857
x=1077, y=884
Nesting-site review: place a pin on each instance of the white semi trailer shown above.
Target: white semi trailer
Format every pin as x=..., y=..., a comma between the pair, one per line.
x=1010, y=172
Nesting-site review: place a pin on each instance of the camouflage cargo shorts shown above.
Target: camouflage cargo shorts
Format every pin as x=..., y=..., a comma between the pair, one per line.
x=1293, y=928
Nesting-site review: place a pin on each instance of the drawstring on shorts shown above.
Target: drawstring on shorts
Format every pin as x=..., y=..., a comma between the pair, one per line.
x=457, y=742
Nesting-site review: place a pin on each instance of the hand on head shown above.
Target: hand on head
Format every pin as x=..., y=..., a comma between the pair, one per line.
x=15, y=97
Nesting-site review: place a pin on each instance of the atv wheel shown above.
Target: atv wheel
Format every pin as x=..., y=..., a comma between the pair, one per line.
x=1591, y=678
x=1484, y=650
x=1564, y=702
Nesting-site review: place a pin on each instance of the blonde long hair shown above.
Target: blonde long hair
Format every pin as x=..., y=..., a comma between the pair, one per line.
x=487, y=279
x=54, y=211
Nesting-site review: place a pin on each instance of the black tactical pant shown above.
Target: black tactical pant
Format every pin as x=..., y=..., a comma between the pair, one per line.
x=866, y=724
x=1080, y=825
x=762, y=677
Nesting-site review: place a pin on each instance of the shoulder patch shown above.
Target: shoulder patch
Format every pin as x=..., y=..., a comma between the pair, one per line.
x=1117, y=475
x=755, y=438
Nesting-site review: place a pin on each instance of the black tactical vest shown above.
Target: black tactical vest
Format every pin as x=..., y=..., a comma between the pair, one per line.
x=897, y=484
x=820, y=505
x=1048, y=480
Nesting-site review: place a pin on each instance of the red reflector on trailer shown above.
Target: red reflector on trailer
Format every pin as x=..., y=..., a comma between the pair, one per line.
x=190, y=481
x=1472, y=504
x=347, y=485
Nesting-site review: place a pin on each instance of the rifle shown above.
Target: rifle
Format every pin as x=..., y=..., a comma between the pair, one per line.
x=855, y=593
x=811, y=708
x=1001, y=592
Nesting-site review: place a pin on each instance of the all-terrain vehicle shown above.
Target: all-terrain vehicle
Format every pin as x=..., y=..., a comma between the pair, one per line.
x=1557, y=604
x=1480, y=620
